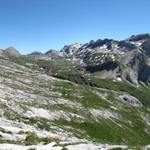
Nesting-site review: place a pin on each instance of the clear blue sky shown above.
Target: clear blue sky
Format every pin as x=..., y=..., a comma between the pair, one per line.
x=39, y=25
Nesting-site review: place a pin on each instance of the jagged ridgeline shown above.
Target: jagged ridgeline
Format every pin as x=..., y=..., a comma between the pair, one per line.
x=83, y=96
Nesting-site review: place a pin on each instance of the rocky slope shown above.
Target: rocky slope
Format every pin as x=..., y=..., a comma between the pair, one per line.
x=86, y=113
x=71, y=103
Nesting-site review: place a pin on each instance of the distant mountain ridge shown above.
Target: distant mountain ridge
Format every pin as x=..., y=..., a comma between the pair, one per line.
x=127, y=60
x=81, y=51
x=110, y=59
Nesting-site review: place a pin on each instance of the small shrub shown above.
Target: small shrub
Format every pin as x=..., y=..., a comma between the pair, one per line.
x=31, y=139
x=64, y=148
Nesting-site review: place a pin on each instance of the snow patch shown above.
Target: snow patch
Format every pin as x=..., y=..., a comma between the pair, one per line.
x=119, y=79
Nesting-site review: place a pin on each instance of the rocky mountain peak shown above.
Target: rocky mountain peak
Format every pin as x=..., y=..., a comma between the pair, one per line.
x=99, y=43
x=51, y=51
x=35, y=53
x=54, y=54
x=139, y=37
x=71, y=49
x=11, y=51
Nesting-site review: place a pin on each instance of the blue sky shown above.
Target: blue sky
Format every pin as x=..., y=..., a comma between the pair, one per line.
x=39, y=25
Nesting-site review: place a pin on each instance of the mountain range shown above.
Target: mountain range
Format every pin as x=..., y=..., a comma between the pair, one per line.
x=126, y=60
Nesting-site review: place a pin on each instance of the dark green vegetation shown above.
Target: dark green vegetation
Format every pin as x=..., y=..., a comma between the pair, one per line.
x=32, y=139
x=107, y=131
x=50, y=67
x=108, y=65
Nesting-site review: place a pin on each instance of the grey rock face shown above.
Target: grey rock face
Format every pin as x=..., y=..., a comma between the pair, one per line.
x=146, y=47
x=11, y=51
x=139, y=37
x=130, y=100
